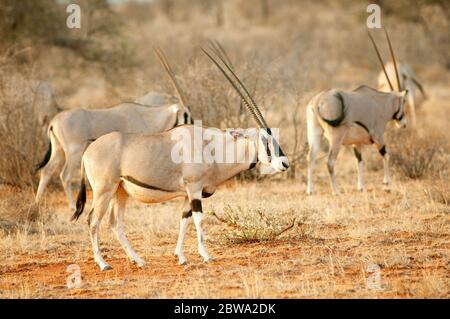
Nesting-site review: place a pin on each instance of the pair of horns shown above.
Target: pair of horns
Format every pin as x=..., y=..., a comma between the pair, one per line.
x=163, y=60
x=249, y=104
x=381, y=60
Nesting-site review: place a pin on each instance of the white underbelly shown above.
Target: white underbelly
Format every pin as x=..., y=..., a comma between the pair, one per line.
x=146, y=195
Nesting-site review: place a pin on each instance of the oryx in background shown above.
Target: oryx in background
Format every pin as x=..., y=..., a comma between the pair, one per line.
x=354, y=118
x=141, y=166
x=70, y=131
x=406, y=80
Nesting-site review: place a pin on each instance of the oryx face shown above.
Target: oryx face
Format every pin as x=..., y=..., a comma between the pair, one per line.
x=270, y=154
x=399, y=115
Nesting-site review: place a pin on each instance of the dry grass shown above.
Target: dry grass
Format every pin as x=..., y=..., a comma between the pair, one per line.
x=328, y=254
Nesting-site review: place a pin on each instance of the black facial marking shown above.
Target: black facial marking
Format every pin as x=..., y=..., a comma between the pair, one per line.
x=176, y=121
x=358, y=154
x=252, y=165
x=186, y=118
x=382, y=150
x=196, y=205
x=206, y=194
x=365, y=127
x=187, y=214
x=266, y=146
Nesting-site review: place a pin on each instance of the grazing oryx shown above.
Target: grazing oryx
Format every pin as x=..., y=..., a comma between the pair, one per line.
x=142, y=166
x=70, y=131
x=405, y=79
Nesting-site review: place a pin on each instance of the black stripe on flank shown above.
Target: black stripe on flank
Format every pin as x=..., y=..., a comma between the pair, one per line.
x=143, y=185
x=364, y=127
x=206, y=194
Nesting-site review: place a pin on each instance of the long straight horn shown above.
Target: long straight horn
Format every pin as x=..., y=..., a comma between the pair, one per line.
x=393, y=59
x=163, y=60
x=244, y=100
x=218, y=49
x=380, y=59
x=253, y=103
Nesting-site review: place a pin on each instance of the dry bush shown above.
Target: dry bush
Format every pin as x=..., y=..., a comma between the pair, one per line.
x=252, y=225
x=417, y=156
x=21, y=134
x=18, y=211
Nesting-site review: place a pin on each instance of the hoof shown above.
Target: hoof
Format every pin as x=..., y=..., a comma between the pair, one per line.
x=208, y=259
x=181, y=260
x=105, y=267
x=139, y=263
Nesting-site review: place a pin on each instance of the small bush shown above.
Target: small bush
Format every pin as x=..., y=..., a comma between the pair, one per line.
x=252, y=225
x=18, y=211
x=417, y=156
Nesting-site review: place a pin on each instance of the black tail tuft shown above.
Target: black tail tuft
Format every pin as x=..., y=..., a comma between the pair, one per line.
x=46, y=158
x=341, y=117
x=81, y=201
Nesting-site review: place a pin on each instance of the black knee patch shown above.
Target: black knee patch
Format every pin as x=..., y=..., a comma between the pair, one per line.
x=187, y=214
x=196, y=205
x=382, y=150
x=357, y=154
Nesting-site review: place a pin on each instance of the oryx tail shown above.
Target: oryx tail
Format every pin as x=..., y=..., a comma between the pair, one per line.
x=48, y=154
x=338, y=121
x=81, y=198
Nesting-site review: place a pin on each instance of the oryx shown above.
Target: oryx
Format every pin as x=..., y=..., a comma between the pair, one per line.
x=142, y=166
x=70, y=131
x=405, y=79
x=354, y=118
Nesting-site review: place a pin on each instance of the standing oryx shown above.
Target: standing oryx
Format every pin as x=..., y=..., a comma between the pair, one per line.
x=353, y=118
x=70, y=131
x=405, y=79
x=142, y=166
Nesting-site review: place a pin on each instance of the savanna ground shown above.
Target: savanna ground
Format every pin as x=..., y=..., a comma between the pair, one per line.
x=269, y=238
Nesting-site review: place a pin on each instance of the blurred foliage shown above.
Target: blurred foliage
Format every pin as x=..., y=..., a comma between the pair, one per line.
x=39, y=25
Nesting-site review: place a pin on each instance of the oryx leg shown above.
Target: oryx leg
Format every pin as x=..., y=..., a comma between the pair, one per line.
x=55, y=162
x=357, y=149
x=73, y=159
x=314, y=133
x=335, y=145
x=195, y=196
x=117, y=206
x=185, y=219
x=385, y=155
x=101, y=199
